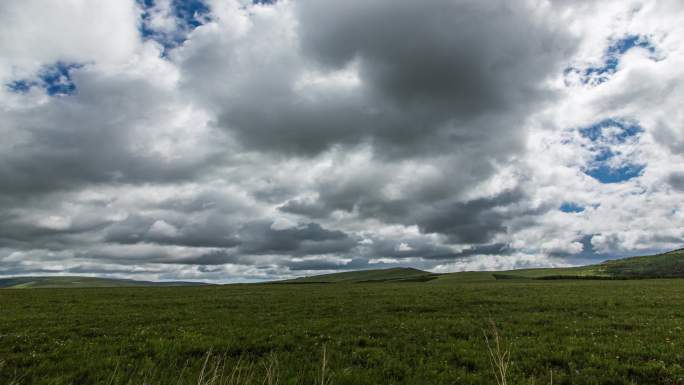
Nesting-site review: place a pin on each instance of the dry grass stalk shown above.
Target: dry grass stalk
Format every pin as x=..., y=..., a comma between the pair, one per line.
x=324, y=363
x=271, y=371
x=499, y=355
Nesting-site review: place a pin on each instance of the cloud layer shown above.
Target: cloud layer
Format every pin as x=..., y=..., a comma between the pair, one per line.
x=230, y=140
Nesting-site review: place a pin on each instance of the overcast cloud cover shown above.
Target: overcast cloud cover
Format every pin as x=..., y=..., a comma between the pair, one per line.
x=226, y=140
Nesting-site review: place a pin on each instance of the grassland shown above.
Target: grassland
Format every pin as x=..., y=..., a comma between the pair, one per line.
x=362, y=276
x=79, y=282
x=431, y=332
x=666, y=265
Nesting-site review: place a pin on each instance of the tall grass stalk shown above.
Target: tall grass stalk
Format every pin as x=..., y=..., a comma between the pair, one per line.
x=499, y=355
x=14, y=381
x=324, y=364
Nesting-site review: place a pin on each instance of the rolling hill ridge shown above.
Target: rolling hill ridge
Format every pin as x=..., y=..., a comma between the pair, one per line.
x=665, y=265
x=398, y=274
x=81, y=282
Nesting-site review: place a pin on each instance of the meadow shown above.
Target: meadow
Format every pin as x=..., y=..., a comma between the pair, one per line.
x=431, y=332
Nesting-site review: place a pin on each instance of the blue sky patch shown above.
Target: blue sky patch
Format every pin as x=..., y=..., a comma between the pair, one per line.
x=606, y=137
x=606, y=174
x=54, y=78
x=20, y=86
x=611, y=58
x=192, y=13
x=188, y=15
x=571, y=207
x=626, y=130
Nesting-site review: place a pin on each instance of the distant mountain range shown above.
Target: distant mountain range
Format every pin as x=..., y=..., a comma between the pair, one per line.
x=666, y=265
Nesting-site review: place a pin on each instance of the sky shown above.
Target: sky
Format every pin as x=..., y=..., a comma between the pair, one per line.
x=238, y=141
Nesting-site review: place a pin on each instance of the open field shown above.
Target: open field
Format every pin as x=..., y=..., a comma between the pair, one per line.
x=77, y=282
x=665, y=265
x=584, y=332
x=364, y=276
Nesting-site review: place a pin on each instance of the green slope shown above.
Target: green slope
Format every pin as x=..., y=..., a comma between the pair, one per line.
x=77, y=282
x=399, y=274
x=464, y=276
x=666, y=265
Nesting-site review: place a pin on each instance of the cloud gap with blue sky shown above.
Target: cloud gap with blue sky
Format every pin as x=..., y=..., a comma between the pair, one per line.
x=571, y=207
x=595, y=75
x=54, y=78
x=168, y=22
x=606, y=138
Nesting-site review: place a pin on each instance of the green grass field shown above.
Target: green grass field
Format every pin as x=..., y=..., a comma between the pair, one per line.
x=431, y=332
x=666, y=265
x=363, y=276
x=79, y=282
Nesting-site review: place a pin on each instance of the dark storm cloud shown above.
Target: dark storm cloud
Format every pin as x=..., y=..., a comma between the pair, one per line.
x=676, y=180
x=323, y=264
x=475, y=222
x=19, y=230
x=130, y=230
x=215, y=257
x=215, y=231
x=413, y=248
x=450, y=54
x=489, y=249
x=255, y=237
x=362, y=188
x=207, y=199
x=434, y=76
x=152, y=256
x=448, y=84
x=261, y=238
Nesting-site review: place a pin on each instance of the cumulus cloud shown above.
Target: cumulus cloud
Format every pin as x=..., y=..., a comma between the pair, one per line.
x=237, y=140
x=76, y=31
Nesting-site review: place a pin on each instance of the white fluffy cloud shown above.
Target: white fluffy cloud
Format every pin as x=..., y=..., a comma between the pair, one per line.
x=225, y=140
x=35, y=33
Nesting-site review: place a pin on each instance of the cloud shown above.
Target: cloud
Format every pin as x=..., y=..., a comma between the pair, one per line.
x=115, y=128
x=78, y=31
x=676, y=179
x=312, y=75
x=472, y=222
x=312, y=238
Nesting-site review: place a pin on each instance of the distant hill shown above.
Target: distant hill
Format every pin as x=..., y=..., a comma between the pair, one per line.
x=666, y=265
x=79, y=282
x=400, y=274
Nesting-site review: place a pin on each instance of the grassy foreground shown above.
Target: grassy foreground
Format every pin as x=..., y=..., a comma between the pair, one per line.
x=584, y=332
